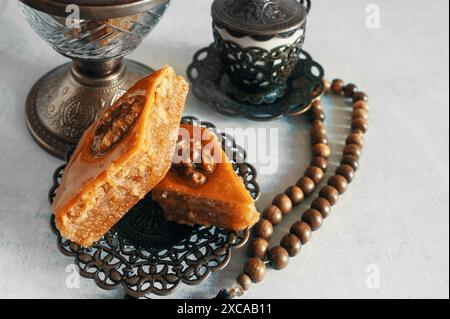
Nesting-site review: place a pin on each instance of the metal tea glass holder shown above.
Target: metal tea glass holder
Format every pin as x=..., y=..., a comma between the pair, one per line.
x=257, y=68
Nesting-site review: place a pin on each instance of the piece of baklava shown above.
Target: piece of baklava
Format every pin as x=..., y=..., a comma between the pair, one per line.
x=202, y=188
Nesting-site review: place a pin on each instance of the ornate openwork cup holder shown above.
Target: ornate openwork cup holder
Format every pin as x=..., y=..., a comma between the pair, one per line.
x=212, y=85
x=145, y=254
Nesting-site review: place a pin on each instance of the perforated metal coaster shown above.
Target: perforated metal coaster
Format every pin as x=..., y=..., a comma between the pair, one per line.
x=212, y=85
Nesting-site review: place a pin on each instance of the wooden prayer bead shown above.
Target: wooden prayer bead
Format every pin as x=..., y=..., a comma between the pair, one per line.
x=258, y=247
x=296, y=195
x=319, y=162
x=302, y=231
x=330, y=194
x=235, y=291
x=352, y=149
x=255, y=269
x=337, y=86
x=319, y=138
x=323, y=206
x=315, y=173
x=350, y=90
x=284, y=203
x=316, y=122
x=244, y=281
x=350, y=160
x=361, y=105
x=273, y=214
x=313, y=218
x=278, y=257
x=346, y=171
x=339, y=182
x=355, y=138
x=263, y=229
x=307, y=185
x=316, y=104
x=322, y=150
x=317, y=114
x=360, y=96
x=360, y=124
x=360, y=113
x=318, y=128
x=292, y=244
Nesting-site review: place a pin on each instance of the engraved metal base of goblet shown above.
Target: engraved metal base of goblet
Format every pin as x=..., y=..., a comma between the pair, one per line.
x=65, y=101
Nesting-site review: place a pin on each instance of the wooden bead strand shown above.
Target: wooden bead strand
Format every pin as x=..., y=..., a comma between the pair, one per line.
x=282, y=205
x=294, y=195
x=301, y=231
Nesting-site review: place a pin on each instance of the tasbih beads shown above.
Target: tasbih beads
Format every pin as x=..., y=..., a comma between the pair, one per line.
x=301, y=231
x=283, y=204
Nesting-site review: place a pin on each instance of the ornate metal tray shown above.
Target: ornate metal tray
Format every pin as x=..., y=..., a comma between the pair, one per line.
x=211, y=84
x=145, y=254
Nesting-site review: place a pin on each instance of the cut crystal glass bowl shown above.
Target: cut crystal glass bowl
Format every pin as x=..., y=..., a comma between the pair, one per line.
x=94, y=39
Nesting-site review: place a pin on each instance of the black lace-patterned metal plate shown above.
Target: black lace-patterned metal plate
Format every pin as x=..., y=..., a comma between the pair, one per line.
x=211, y=84
x=145, y=254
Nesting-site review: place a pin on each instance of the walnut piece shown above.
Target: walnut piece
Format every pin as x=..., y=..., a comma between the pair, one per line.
x=116, y=122
x=196, y=162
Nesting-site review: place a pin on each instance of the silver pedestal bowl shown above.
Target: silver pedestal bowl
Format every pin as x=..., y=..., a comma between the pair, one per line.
x=96, y=36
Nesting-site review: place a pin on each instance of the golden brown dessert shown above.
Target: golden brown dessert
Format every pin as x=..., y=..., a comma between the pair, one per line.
x=202, y=187
x=120, y=158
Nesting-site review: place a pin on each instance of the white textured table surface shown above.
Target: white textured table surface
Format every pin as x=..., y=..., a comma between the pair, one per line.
x=394, y=219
